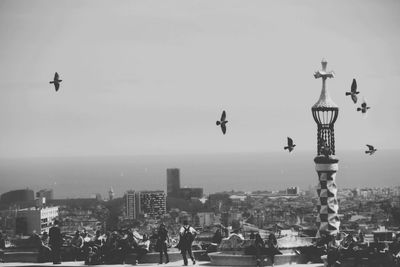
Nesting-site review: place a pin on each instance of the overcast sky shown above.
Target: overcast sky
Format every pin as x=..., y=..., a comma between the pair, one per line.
x=152, y=77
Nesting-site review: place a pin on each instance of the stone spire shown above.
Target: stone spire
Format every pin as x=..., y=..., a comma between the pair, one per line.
x=324, y=100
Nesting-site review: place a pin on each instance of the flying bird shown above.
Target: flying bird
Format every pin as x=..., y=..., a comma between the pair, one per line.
x=56, y=81
x=290, y=145
x=363, y=107
x=223, y=122
x=371, y=150
x=353, y=92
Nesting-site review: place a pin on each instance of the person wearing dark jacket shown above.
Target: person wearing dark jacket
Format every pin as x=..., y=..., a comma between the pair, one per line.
x=2, y=247
x=162, y=241
x=186, y=237
x=259, y=246
x=217, y=238
x=272, y=248
x=55, y=242
x=44, y=249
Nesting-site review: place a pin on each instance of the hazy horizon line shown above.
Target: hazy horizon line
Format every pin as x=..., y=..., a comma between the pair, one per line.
x=183, y=154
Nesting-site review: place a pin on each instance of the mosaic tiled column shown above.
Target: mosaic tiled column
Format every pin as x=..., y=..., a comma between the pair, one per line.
x=327, y=207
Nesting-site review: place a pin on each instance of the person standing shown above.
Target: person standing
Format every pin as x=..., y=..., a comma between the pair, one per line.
x=55, y=242
x=44, y=249
x=162, y=241
x=186, y=236
x=2, y=247
x=77, y=245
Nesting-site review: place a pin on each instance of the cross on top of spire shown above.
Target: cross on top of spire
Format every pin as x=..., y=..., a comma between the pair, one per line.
x=323, y=73
x=325, y=100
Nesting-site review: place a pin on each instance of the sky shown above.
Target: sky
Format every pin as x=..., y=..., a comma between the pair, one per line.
x=152, y=77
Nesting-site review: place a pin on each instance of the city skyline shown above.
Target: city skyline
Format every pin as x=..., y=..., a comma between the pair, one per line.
x=83, y=177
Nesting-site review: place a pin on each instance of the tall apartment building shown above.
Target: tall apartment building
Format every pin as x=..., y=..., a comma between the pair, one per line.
x=130, y=204
x=151, y=203
x=173, y=182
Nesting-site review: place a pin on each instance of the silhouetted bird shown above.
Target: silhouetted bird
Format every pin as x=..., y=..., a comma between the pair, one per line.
x=56, y=81
x=290, y=145
x=363, y=107
x=353, y=91
x=223, y=122
x=371, y=150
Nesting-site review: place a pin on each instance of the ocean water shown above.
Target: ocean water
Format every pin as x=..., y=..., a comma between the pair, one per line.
x=85, y=176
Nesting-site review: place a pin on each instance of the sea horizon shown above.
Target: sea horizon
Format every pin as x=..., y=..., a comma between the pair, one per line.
x=84, y=176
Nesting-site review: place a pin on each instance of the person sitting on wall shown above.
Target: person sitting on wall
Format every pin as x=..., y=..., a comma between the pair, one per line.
x=142, y=248
x=394, y=250
x=379, y=254
x=252, y=235
x=360, y=238
x=273, y=250
x=347, y=247
x=217, y=238
x=98, y=239
x=333, y=250
x=259, y=246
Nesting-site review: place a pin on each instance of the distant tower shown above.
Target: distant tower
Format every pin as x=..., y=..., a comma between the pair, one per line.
x=111, y=193
x=325, y=113
x=173, y=182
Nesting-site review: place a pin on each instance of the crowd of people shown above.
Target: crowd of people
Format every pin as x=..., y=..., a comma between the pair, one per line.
x=348, y=246
x=268, y=247
x=112, y=247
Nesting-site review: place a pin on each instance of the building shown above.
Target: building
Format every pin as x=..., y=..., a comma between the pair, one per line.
x=35, y=219
x=293, y=190
x=206, y=218
x=151, y=203
x=7, y=221
x=23, y=195
x=188, y=193
x=237, y=199
x=130, y=205
x=45, y=193
x=173, y=182
x=99, y=197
